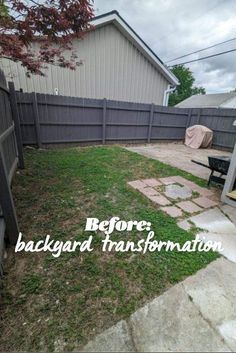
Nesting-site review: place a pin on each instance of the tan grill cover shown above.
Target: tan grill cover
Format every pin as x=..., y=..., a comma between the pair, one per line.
x=198, y=136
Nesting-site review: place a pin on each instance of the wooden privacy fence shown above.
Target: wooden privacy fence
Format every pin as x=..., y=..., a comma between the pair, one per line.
x=10, y=155
x=49, y=119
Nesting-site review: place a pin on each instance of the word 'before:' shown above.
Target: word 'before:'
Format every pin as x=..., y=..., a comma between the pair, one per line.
x=115, y=223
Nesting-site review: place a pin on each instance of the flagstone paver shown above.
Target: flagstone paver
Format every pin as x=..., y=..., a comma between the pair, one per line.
x=167, y=180
x=137, y=184
x=160, y=200
x=204, y=202
x=188, y=206
x=216, y=196
x=152, y=182
x=179, y=179
x=204, y=191
x=184, y=224
x=148, y=191
x=172, y=211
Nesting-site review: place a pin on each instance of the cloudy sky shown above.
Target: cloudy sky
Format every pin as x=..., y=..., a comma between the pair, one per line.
x=176, y=27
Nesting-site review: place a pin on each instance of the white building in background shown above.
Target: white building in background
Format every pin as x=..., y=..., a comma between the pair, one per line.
x=218, y=100
x=117, y=65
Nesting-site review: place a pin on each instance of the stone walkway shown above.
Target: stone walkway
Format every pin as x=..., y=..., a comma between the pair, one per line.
x=186, y=201
x=178, y=155
x=176, y=196
x=197, y=315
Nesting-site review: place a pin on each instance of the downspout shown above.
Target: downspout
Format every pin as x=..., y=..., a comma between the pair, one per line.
x=167, y=92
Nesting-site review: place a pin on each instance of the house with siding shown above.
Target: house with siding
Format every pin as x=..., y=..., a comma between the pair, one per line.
x=218, y=100
x=116, y=64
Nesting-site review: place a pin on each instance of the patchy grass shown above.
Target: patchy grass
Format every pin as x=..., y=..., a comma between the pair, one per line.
x=52, y=303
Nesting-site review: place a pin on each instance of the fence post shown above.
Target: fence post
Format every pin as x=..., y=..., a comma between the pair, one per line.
x=189, y=118
x=199, y=116
x=7, y=204
x=150, y=123
x=16, y=120
x=36, y=120
x=104, y=121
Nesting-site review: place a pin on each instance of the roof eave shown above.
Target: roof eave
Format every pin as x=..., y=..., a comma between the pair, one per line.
x=123, y=26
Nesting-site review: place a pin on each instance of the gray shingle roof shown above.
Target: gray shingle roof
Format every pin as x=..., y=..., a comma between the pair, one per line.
x=206, y=100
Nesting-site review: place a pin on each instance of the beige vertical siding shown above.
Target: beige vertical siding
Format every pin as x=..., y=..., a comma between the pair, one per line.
x=112, y=68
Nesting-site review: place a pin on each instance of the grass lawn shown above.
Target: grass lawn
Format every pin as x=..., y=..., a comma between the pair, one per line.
x=60, y=303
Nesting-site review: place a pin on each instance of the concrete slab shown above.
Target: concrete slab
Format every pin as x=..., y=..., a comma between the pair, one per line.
x=178, y=155
x=115, y=339
x=214, y=221
x=228, y=242
x=230, y=212
x=228, y=331
x=213, y=291
x=172, y=323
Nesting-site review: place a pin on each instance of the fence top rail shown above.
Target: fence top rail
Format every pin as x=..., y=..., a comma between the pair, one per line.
x=25, y=97
x=6, y=133
x=218, y=112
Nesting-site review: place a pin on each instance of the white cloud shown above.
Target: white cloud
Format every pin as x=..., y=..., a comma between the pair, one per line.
x=176, y=27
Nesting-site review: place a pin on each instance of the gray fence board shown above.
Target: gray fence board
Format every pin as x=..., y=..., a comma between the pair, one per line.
x=8, y=161
x=71, y=119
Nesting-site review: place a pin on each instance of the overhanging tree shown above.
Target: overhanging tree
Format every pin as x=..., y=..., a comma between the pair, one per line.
x=186, y=87
x=52, y=23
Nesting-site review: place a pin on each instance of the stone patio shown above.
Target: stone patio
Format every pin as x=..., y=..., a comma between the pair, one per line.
x=176, y=196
